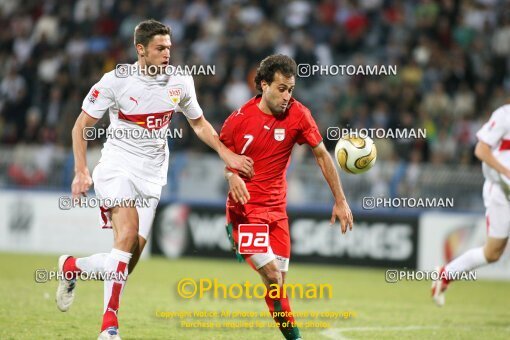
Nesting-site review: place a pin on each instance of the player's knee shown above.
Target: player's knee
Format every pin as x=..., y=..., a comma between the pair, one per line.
x=493, y=255
x=128, y=237
x=273, y=277
x=494, y=249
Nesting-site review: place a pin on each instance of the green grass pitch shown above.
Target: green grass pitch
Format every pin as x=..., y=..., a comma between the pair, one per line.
x=474, y=310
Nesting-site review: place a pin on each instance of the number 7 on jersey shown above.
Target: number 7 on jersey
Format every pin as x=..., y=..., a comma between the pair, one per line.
x=249, y=139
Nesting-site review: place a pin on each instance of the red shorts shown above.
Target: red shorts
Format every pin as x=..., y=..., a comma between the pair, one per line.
x=279, y=236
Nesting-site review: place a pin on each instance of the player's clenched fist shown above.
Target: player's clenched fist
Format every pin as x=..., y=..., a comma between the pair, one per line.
x=238, y=189
x=81, y=183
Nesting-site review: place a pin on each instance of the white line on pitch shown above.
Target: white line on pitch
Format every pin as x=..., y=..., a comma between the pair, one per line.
x=336, y=333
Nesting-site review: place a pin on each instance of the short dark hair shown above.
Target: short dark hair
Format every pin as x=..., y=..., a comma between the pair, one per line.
x=272, y=64
x=145, y=30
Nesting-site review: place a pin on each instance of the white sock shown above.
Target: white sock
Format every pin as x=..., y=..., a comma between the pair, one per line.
x=92, y=264
x=470, y=260
x=116, y=266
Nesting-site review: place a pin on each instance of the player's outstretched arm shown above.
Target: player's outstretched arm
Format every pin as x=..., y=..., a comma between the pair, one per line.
x=341, y=208
x=82, y=180
x=484, y=153
x=209, y=136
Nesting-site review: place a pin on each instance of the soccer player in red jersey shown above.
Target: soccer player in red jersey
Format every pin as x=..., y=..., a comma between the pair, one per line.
x=266, y=129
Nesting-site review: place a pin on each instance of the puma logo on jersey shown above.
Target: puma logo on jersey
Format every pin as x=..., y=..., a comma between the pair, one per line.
x=267, y=127
x=133, y=99
x=238, y=113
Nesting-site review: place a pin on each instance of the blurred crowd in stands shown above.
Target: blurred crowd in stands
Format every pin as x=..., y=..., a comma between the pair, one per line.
x=452, y=59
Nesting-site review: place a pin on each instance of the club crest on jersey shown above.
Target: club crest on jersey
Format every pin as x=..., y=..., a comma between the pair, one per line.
x=175, y=95
x=93, y=96
x=279, y=134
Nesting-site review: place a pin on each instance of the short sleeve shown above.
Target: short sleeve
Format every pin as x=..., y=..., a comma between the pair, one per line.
x=309, y=132
x=100, y=98
x=493, y=131
x=227, y=132
x=189, y=103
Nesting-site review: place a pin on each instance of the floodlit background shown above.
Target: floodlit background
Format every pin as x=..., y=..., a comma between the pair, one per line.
x=452, y=61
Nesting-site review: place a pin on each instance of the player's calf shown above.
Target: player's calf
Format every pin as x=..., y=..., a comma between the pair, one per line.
x=117, y=268
x=278, y=304
x=137, y=252
x=125, y=225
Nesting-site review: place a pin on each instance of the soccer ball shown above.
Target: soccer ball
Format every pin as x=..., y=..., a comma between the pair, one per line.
x=355, y=154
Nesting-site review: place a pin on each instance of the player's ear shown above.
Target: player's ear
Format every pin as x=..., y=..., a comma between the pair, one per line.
x=140, y=49
x=263, y=85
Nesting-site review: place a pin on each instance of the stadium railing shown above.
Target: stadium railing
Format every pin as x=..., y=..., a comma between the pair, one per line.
x=197, y=176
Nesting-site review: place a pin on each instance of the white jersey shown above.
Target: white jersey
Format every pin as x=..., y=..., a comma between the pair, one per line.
x=496, y=133
x=141, y=102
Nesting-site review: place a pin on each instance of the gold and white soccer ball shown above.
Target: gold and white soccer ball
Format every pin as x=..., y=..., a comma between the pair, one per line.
x=355, y=154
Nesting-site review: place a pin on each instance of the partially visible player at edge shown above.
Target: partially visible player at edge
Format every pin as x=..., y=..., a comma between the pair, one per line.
x=493, y=149
x=131, y=169
x=266, y=129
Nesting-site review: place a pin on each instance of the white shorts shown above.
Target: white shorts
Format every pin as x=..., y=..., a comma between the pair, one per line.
x=260, y=260
x=111, y=182
x=497, y=211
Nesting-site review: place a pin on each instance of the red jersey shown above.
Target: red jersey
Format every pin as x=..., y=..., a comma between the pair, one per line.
x=269, y=140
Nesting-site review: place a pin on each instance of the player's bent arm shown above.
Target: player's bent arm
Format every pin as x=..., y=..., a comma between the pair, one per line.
x=204, y=130
x=483, y=152
x=82, y=180
x=341, y=208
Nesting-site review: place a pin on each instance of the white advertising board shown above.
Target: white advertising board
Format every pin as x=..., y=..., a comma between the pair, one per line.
x=32, y=222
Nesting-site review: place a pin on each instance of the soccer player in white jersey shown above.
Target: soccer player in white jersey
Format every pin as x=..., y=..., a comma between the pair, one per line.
x=493, y=149
x=133, y=170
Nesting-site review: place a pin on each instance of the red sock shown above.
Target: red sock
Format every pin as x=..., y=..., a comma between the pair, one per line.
x=113, y=291
x=109, y=320
x=444, y=276
x=279, y=308
x=70, y=266
x=110, y=316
